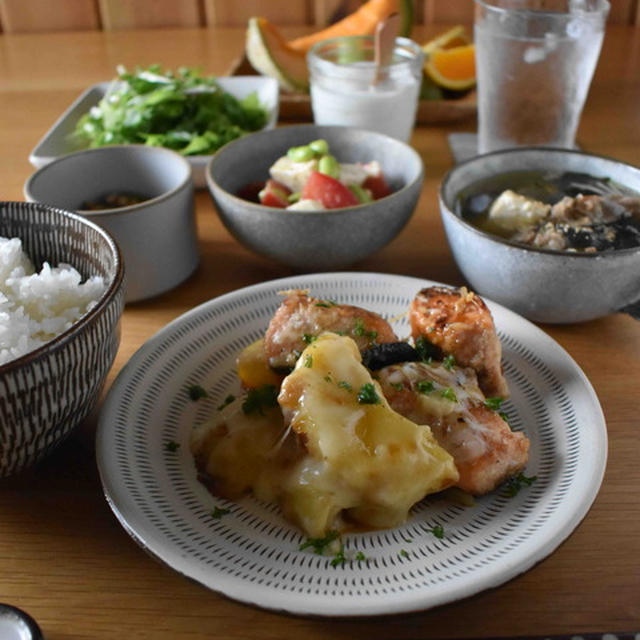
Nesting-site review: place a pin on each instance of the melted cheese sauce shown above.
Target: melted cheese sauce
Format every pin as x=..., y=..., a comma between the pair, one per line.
x=341, y=460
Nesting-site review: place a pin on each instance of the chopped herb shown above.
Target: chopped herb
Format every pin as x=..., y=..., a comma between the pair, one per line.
x=196, y=392
x=493, y=403
x=449, y=394
x=404, y=553
x=339, y=557
x=398, y=386
x=360, y=557
x=449, y=362
x=425, y=386
x=368, y=395
x=261, y=398
x=308, y=361
x=426, y=350
x=218, y=512
x=327, y=304
x=360, y=330
x=328, y=378
x=308, y=338
x=437, y=531
x=514, y=484
x=171, y=445
x=227, y=401
x=504, y=416
x=320, y=545
x=343, y=384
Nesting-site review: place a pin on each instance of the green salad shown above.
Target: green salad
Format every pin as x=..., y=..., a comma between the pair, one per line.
x=183, y=111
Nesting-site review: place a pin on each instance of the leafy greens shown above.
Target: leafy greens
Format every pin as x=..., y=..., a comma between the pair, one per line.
x=183, y=111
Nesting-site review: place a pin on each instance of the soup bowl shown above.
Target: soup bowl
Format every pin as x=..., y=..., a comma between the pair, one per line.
x=541, y=284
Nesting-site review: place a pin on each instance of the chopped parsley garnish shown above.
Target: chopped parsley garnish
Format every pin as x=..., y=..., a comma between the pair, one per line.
x=425, y=386
x=368, y=395
x=259, y=399
x=308, y=361
x=320, y=545
x=360, y=330
x=426, y=350
x=171, y=446
x=449, y=362
x=328, y=378
x=398, y=386
x=449, y=394
x=360, y=557
x=343, y=384
x=339, y=557
x=327, y=304
x=493, y=403
x=196, y=392
x=227, y=401
x=514, y=484
x=218, y=512
x=308, y=338
x=404, y=553
x=504, y=416
x=438, y=531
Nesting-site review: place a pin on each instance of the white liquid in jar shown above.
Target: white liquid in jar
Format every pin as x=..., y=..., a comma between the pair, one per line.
x=388, y=107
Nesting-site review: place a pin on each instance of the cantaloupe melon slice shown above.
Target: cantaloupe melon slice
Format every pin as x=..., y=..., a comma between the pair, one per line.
x=271, y=55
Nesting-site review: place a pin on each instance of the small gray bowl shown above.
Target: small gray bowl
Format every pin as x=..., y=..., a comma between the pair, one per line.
x=316, y=240
x=157, y=237
x=45, y=393
x=541, y=284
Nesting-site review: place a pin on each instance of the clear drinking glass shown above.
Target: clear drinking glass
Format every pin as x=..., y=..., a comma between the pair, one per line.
x=344, y=90
x=535, y=60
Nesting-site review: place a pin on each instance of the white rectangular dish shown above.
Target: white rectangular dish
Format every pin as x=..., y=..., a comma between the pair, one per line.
x=56, y=141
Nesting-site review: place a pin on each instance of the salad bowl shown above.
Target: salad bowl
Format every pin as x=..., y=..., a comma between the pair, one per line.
x=321, y=239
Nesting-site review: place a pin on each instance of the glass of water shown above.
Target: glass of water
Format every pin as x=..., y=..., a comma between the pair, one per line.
x=535, y=60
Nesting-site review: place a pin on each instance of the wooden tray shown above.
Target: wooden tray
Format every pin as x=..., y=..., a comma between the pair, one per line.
x=297, y=106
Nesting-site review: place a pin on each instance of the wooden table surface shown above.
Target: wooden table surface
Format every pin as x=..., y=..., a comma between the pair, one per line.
x=63, y=556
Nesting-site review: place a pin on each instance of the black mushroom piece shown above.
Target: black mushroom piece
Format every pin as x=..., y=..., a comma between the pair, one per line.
x=388, y=353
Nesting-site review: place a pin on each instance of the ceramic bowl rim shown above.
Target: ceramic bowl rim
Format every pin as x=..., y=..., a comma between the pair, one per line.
x=79, y=325
x=133, y=208
x=324, y=213
x=446, y=209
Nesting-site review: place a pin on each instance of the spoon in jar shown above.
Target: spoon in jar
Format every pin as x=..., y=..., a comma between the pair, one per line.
x=384, y=41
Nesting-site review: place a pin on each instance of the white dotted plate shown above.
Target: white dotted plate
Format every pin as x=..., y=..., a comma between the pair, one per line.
x=251, y=553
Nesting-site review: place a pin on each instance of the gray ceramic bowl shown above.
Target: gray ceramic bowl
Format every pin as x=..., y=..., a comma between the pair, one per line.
x=540, y=284
x=157, y=237
x=321, y=240
x=47, y=392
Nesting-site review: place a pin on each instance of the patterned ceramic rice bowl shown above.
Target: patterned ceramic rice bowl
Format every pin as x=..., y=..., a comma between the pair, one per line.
x=47, y=392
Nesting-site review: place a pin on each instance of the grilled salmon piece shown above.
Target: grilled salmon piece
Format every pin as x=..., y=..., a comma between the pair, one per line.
x=301, y=318
x=459, y=323
x=484, y=449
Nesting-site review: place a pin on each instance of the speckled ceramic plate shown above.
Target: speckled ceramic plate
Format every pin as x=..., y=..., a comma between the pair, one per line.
x=252, y=554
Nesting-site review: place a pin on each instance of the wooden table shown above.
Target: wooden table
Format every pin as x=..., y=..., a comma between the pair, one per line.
x=63, y=556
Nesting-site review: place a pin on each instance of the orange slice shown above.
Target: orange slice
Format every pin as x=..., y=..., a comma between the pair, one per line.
x=454, y=37
x=453, y=68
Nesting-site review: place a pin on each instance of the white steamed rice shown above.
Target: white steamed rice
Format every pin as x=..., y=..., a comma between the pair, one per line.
x=36, y=307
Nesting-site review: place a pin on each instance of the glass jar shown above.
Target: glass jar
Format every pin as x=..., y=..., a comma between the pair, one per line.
x=345, y=90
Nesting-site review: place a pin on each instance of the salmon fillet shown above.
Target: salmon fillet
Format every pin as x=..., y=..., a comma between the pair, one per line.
x=484, y=449
x=301, y=318
x=459, y=323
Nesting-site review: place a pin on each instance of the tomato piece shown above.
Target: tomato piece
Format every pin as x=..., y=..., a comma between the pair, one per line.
x=331, y=192
x=274, y=194
x=378, y=186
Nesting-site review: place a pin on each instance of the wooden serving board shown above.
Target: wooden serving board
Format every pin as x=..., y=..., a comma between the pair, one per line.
x=297, y=106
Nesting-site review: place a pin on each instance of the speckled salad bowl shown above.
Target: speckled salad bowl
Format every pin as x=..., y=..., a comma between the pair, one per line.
x=317, y=240
x=47, y=392
x=541, y=284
